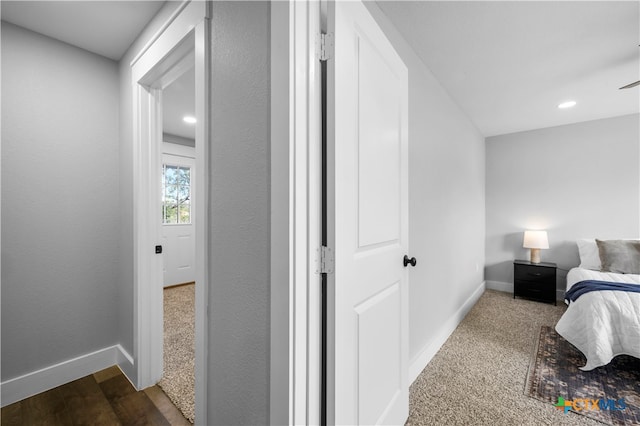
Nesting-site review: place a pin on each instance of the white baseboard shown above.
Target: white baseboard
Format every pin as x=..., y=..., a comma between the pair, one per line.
x=508, y=288
x=500, y=286
x=125, y=362
x=19, y=388
x=420, y=361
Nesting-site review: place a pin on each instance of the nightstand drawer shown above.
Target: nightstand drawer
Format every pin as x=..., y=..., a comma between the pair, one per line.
x=534, y=280
x=534, y=273
x=535, y=290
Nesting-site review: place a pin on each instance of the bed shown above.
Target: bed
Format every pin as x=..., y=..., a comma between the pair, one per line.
x=602, y=324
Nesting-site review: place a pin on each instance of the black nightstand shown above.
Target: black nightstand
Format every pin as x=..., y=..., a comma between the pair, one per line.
x=534, y=280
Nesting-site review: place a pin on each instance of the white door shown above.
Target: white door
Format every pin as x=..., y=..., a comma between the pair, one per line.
x=370, y=223
x=178, y=209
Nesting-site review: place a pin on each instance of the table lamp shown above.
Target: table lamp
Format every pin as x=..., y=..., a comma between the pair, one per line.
x=535, y=240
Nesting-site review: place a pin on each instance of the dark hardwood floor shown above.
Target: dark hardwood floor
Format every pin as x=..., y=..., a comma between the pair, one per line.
x=103, y=398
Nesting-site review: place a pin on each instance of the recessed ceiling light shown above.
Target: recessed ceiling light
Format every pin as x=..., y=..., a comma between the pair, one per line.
x=189, y=119
x=567, y=104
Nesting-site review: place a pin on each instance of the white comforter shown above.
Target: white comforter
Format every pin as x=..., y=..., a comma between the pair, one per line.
x=602, y=324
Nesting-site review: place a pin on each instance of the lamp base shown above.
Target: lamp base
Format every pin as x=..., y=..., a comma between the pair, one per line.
x=535, y=255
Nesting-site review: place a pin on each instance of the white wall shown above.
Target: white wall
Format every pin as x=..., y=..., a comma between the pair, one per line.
x=446, y=206
x=60, y=202
x=576, y=181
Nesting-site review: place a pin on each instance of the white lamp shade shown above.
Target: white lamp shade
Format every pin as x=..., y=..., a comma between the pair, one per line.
x=535, y=240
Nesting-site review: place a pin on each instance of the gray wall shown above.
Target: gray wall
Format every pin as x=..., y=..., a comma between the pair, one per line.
x=279, y=339
x=238, y=382
x=60, y=202
x=238, y=366
x=446, y=199
x=576, y=181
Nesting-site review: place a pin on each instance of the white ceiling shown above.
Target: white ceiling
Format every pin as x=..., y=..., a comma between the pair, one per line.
x=104, y=27
x=178, y=100
x=508, y=64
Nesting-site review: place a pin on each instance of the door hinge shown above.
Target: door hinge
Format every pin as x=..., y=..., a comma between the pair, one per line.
x=324, y=260
x=325, y=47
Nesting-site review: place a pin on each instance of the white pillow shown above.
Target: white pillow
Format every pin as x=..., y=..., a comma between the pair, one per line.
x=589, y=254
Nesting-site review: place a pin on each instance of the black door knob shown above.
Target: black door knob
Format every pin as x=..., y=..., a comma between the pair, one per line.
x=408, y=261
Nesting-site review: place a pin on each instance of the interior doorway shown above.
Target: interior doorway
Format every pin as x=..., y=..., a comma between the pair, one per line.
x=178, y=211
x=178, y=145
x=181, y=45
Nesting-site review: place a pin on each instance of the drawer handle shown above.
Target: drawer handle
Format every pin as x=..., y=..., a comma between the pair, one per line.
x=536, y=274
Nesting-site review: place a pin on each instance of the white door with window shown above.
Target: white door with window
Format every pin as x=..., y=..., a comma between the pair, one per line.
x=178, y=209
x=370, y=222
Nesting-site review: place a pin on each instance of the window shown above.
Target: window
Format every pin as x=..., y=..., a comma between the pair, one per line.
x=176, y=194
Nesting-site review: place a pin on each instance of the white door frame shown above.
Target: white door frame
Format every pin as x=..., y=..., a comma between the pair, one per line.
x=305, y=18
x=304, y=149
x=182, y=39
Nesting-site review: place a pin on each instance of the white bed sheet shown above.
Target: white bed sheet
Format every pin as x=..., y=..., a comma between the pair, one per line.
x=576, y=275
x=602, y=324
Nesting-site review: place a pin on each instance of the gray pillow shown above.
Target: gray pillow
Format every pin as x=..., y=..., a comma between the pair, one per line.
x=620, y=256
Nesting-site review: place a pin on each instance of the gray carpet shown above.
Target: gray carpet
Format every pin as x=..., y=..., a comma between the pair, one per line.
x=178, y=380
x=478, y=376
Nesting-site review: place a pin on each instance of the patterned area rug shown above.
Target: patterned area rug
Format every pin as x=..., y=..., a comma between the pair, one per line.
x=178, y=380
x=554, y=373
